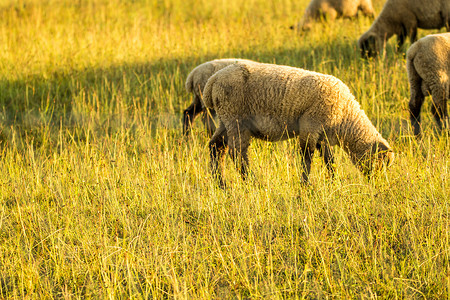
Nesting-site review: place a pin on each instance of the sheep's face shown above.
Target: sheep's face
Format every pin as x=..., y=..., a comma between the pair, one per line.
x=369, y=45
x=379, y=157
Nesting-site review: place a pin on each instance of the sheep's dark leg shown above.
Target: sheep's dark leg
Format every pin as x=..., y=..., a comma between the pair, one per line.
x=328, y=157
x=307, y=149
x=413, y=35
x=415, y=104
x=439, y=106
x=208, y=121
x=401, y=38
x=190, y=113
x=417, y=98
x=217, y=148
x=408, y=29
x=238, y=142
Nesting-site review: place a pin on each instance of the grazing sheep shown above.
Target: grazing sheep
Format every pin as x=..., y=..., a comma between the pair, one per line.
x=274, y=103
x=428, y=65
x=402, y=18
x=195, y=84
x=333, y=9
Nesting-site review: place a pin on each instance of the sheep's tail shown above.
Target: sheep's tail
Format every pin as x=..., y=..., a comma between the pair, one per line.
x=208, y=92
x=189, y=85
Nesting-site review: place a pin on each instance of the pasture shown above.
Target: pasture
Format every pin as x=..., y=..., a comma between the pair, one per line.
x=101, y=196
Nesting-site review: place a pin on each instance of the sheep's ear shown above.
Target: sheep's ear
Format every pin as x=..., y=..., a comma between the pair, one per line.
x=368, y=46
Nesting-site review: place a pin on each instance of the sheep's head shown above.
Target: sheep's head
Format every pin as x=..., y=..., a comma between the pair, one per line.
x=302, y=26
x=369, y=45
x=378, y=157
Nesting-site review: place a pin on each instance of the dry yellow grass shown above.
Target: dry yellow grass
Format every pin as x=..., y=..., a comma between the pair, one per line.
x=101, y=197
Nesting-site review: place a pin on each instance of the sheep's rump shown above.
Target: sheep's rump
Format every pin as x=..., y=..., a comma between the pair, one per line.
x=429, y=60
x=197, y=78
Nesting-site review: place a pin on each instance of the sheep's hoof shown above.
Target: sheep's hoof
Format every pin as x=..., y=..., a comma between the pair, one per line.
x=221, y=184
x=305, y=179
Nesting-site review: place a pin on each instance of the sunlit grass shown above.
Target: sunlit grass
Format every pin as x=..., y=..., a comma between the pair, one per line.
x=102, y=197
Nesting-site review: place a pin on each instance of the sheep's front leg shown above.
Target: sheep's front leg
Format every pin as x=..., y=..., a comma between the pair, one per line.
x=401, y=37
x=217, y=147
x=189, y=115
x=408, y=29
x=238, y=142
x=307, y=149
x=328, y=157
x=413, y=34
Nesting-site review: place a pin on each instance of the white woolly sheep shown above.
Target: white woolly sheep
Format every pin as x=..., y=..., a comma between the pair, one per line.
x=402, y=18
x=332, y=9
x=428, y=65
x=195, y=83
x=274, y=103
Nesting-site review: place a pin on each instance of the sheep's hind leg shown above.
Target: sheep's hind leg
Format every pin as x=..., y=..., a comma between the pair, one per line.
x=217, y=147
x=238, y=142
x=415, y=104
x=439, y=106
x=328, y=157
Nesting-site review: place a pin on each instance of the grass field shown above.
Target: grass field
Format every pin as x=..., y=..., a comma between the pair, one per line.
x=101, y=197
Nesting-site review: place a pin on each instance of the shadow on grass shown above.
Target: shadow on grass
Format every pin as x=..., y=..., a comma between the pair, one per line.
x=35, y=108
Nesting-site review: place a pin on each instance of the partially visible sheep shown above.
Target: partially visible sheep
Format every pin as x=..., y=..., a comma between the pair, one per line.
x=332, y=9
x=195, y=84
x=402, y=18
x=274, y=103
x=428, y=65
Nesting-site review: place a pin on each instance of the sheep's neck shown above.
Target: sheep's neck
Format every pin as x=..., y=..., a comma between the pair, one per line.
x=383, y=29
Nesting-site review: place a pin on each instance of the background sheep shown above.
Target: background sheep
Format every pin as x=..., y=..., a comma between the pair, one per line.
x=274, y=103
x=428, y=65
x=332, y=9
x=195, y=83
x=402, y=18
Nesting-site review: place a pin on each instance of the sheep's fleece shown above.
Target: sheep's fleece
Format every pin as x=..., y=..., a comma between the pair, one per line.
x=332, y=9
x=274, y=102
x=428, y=65
x=402, y=18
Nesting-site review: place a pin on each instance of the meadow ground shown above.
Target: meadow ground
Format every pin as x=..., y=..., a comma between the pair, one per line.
x=101, y=197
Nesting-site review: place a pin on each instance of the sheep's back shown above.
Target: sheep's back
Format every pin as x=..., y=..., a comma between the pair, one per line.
x=430, y=14
x=280, y=93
